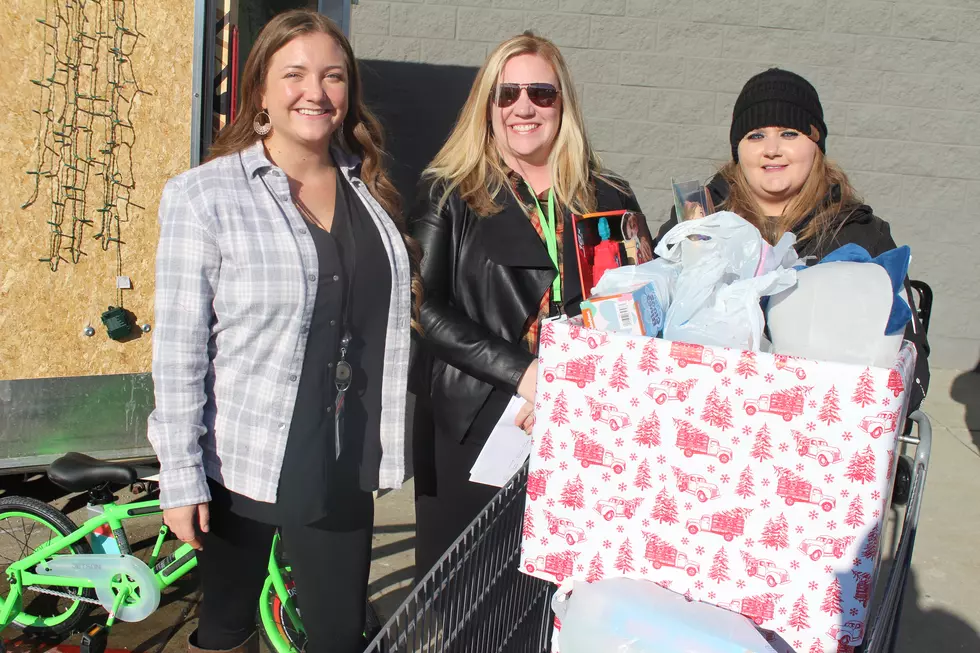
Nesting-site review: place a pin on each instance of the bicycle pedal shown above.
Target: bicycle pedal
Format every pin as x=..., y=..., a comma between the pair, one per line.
x=94, y=640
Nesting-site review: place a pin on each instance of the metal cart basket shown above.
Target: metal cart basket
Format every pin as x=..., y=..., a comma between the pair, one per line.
x=476, y=600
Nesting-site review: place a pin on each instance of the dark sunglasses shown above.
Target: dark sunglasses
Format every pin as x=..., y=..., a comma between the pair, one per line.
x=541, y=94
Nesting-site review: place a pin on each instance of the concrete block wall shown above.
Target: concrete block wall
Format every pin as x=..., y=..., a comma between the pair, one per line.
x=899, y=79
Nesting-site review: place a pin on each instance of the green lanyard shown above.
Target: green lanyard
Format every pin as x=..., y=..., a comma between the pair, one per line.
x=548, y=226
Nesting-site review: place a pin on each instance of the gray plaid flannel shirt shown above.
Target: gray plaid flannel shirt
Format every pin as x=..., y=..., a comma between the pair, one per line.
x=235, y=285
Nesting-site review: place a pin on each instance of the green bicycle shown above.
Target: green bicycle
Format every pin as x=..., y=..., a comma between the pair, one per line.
x=58, y=572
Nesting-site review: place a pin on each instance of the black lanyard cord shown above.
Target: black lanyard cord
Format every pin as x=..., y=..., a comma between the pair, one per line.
x=344, y=371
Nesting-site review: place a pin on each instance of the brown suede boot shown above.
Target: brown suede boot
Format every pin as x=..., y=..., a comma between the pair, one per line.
x=250, y=645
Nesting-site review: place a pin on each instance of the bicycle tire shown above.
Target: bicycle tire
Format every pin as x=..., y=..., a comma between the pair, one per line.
x=282, y=638
x=60, y=523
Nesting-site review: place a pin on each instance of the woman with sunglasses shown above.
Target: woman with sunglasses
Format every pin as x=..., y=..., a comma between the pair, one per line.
x=494, y=223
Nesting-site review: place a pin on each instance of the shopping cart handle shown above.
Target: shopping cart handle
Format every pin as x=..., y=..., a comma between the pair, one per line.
x=923, y=443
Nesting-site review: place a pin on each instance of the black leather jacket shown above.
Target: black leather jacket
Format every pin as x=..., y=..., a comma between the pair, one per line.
x=484, y=277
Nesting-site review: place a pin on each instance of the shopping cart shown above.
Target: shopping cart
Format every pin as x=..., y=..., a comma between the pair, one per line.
x=475, y=599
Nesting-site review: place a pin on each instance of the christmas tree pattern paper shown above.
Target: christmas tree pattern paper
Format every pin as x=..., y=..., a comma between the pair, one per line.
x=752, y=481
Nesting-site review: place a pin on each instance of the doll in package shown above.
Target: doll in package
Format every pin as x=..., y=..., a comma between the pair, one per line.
x=608, y=240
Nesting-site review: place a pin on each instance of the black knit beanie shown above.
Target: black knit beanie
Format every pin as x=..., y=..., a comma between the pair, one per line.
x=778, y=98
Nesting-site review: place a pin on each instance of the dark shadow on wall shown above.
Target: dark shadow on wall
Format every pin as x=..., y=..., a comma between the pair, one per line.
x=418, y=105
x=966, y=391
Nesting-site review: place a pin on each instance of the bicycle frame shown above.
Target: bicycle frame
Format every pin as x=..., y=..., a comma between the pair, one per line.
x=21, y=572
x=174, y=567
x=275, y=581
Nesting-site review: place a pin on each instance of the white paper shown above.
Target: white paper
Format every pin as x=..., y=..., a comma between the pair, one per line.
x=505, y=450
x=123, y=283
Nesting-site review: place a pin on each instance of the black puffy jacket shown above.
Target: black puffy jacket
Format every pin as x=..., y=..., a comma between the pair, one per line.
x=484, y=277
x=861, y=227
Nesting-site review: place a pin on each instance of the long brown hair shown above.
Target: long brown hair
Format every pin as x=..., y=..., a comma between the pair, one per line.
x=361, y=132
x=469, y=161
x=824, y=203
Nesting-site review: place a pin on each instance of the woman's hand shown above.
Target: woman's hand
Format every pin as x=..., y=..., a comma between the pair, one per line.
x=185, y=522
x=525, y=417
x=528, y=385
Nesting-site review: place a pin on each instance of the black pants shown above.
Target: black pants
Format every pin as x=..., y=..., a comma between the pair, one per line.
x=445, y=499
x=330, y=564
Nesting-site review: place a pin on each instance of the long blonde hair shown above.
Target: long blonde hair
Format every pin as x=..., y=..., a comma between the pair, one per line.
x=823, y=203
x=361, y=133
x=470, y=162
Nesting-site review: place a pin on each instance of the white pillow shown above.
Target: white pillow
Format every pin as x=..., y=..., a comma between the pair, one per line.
x=837, y=312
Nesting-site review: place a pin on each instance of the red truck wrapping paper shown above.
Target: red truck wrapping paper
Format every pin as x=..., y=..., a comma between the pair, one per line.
x=752, y=481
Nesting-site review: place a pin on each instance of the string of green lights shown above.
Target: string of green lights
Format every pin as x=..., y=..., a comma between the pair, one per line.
x=85, y=134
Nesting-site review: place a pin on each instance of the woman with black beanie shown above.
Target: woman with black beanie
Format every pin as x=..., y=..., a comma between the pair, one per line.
x=780, y=180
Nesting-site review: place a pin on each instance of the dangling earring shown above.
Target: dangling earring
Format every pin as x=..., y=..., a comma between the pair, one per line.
x=262, y=128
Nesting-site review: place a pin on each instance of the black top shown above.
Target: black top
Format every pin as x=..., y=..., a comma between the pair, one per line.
x=484, y=276
x=316, y=479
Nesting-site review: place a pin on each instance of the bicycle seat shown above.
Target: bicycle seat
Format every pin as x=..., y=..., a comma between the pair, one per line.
x=77, y=472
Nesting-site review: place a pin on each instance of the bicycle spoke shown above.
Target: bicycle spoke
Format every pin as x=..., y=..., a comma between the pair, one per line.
x=3, y=530
x=14, y=537
x=26, y=543
x=294, y=636
x=25, y=527
x=27, y=538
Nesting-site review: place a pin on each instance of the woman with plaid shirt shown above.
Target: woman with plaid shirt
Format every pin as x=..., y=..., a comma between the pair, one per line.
x=284, y=291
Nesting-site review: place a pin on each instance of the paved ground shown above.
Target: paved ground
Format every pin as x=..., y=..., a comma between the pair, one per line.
x=941, y=612
x=942, y=609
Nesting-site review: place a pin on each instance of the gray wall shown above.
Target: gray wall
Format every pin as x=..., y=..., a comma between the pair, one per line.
x=900, y=83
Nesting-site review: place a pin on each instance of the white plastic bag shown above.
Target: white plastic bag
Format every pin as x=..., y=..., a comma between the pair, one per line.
x=728, y=248
x=660, y=275
x=723, y=235
x=624, y=615
x=661, y=272
x=782, y=255
x=716, y=297
x=732, y=317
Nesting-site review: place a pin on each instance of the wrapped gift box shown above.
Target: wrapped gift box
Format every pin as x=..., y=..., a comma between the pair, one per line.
x=751, y=481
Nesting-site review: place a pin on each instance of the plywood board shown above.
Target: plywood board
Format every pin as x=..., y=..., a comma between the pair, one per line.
x=107, y=123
